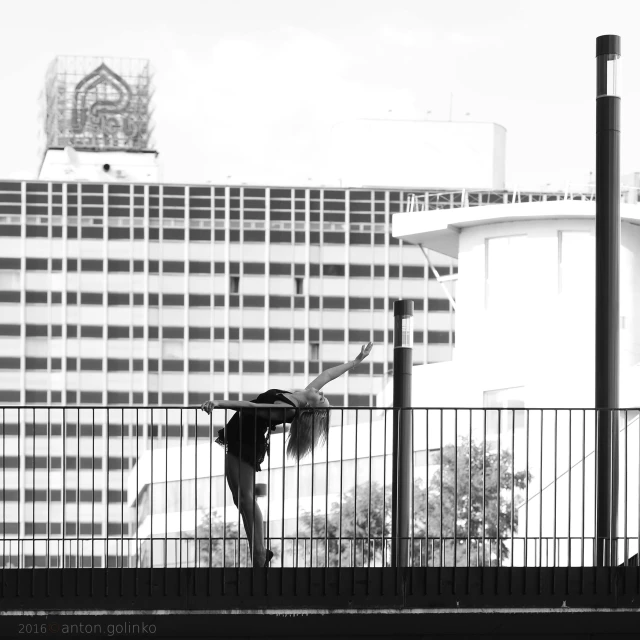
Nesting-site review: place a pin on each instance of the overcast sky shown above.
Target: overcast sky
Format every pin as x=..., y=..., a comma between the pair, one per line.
x=251, y=89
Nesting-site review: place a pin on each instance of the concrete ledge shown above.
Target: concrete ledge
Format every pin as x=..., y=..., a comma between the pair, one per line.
x=319, y=589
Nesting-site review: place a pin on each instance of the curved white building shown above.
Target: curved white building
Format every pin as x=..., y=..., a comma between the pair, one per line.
x=525, y=296
x=525, y=338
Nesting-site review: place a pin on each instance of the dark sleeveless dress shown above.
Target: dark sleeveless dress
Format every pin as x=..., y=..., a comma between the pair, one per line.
x=247, y=432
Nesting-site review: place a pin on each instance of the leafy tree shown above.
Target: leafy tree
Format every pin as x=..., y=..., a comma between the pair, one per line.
x=362, y=527
x=485, y=519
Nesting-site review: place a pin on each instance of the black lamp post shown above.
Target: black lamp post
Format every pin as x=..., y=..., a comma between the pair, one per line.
x=607, y=294
x=402, y=432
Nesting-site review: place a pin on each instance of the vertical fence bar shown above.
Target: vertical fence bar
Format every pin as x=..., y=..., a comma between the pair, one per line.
x=555, y=483
x=426, y=526
x=166, y=494
x=224, y=500
x=254, y=499
x=470, y=496
x=296, y=560
x=584, y=464
x=79, y=548
x=326, y=510
x=484, y=487
x=596, y=536
x=541, y=479
x=340, y=492
x=499, y=541
x=63, y=496
x=442, y=555
x=48, y=467
x=369, y=506
x=180, y=483
x=313, y=473
x=137, y=521
x=152, y=505
x=33, y=503
x=455, y=491
x=210, y=482
x=267, y=514
x=284, y=465
x=4, y=497
x=513, y=479
x=354, y=559
x=122, y=499
x=526, y=501
x=93, y=491
x=413, y=488
x=569, y=471
x=238, y=559
x=384, y=492
x=626, y=495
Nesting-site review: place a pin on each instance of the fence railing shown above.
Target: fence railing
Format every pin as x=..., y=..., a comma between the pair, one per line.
x=436, y=200
x=145, y=487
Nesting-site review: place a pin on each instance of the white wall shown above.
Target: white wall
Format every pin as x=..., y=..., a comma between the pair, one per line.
x=88, y=166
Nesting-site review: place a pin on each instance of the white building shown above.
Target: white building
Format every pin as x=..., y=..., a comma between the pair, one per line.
x=525, y=320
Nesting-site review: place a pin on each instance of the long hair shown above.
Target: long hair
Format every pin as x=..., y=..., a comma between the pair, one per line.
x=308, y=429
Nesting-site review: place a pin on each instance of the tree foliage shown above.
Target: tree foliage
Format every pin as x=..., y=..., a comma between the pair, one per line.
x=467, y=509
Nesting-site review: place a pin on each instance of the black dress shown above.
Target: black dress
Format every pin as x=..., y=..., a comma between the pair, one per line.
x=246, y=432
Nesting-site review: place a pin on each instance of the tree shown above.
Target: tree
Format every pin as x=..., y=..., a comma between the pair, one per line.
x=210, y=542
x=362, y=524
x=481, y=521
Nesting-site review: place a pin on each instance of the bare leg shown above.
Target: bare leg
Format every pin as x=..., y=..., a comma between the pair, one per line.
x=241, y=478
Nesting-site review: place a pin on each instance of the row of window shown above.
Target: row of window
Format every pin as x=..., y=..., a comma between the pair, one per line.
x=97, y=190
x=195, y=300
x=200, y=208
x=205, y=267
x=205, y=333
x=70, y=495
x=11, y=228
x=114, y=430
x=71, y=462
x=70, y=529
x=94, y=398
x=172, y=365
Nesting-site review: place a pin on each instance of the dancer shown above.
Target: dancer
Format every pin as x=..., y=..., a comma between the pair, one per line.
x=246, y=440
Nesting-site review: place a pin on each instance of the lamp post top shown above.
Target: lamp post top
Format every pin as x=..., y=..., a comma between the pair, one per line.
x=608, y=44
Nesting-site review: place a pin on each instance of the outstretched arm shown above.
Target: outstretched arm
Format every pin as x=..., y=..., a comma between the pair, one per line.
x=263, y=410
x=335, y=372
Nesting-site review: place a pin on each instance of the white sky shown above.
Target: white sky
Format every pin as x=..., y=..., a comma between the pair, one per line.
x=251, y=88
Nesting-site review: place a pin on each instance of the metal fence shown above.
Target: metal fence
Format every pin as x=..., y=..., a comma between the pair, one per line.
x=145, y=487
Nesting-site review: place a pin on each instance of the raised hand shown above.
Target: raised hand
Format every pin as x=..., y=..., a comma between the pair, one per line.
x=364, y=352
x=207, y=406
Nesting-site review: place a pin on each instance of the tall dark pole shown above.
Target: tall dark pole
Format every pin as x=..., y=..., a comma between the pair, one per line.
x=402, y=432
x=607, y=294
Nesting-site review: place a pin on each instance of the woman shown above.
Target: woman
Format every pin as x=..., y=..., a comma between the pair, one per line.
x=246, y=440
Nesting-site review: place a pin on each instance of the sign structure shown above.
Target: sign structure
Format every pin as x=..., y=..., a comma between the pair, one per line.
x=98, y=104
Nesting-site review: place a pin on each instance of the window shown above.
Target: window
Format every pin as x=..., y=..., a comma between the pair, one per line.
x=504, y=286
x=333, y=270
x=234, y=284
x=279, y=269
x=576, y=258
x=509, y=398
x=299, y=285
x=314, y=351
